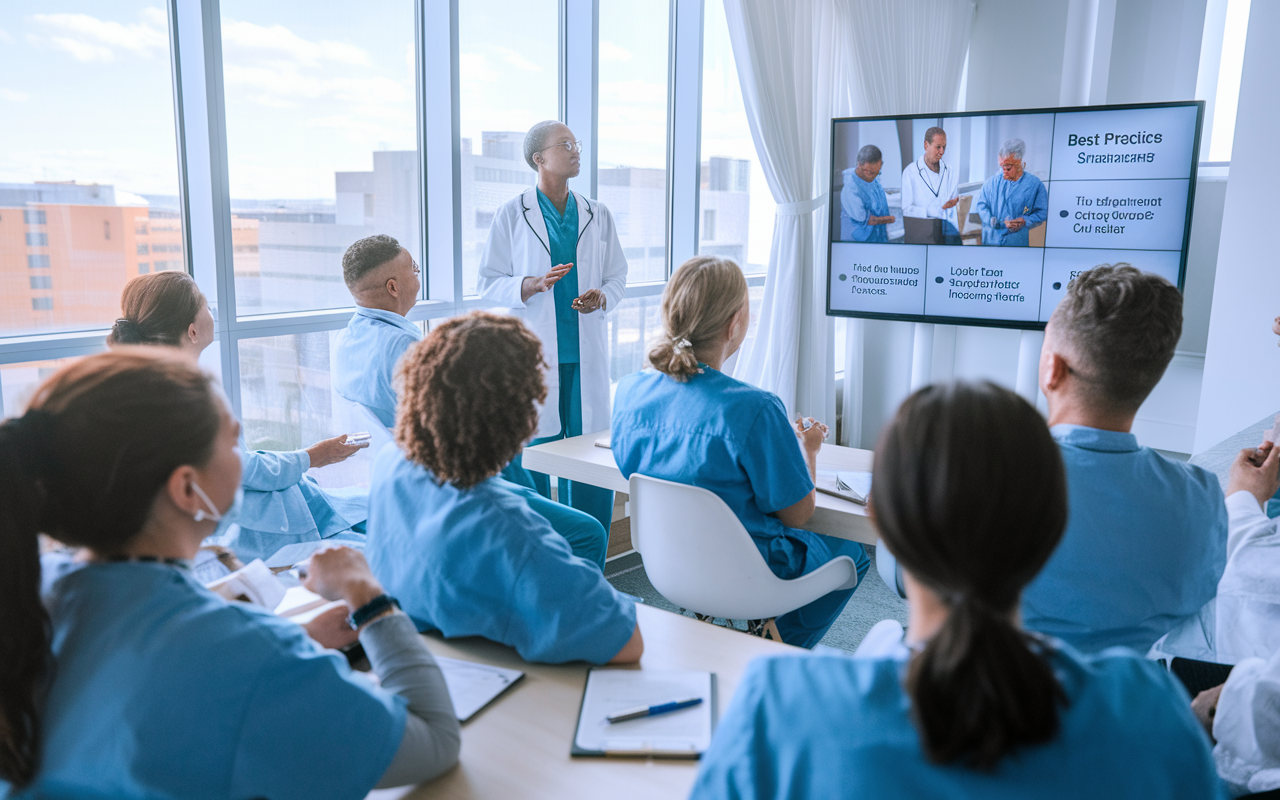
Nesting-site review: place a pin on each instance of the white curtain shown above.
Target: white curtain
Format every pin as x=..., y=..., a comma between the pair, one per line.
x=793, y=74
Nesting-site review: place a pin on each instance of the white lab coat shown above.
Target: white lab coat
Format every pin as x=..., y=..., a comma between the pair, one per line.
x=924, y=191
x=517, y=248
x=1248, y=604
x=1246, y=727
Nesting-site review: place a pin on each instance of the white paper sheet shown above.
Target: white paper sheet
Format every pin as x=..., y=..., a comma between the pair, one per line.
x=683, y=732
x=473, y=686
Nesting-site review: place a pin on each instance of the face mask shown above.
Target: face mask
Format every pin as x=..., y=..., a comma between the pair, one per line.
x=223, y=518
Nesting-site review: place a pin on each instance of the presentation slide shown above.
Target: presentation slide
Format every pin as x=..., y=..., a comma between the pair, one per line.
x=984, y=219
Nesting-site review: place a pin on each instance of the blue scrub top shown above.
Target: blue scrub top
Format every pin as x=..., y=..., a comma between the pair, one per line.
x=723, y=435
x=1001, y=199
x=819, y=726
x=163, y=689
x=1145, y=544
x=479, y=562
x=859, y=201
x=563, y=234
x=364, y=359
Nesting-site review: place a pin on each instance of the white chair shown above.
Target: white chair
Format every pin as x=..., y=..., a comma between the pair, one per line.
x=698, y=555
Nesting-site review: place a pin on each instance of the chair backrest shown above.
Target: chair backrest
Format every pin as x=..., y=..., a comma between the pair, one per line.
x=698, y=555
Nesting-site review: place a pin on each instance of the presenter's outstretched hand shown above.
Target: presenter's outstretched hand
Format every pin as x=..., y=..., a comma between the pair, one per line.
x=333, y=451
x=591, y=300
x=535, y=284
x=1256, y=471
x=950, y=203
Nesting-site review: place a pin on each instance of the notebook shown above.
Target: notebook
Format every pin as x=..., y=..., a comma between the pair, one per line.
x=679, y=734
x=852, y=485
x=474, y=686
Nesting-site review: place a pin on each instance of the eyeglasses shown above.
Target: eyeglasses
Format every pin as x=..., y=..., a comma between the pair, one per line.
x=572, y=147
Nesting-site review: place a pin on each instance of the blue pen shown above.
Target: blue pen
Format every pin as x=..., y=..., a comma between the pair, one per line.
x=649, y=711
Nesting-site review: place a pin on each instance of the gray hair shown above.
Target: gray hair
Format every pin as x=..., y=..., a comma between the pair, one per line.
x=1013, y=147
x=869, y=154
x=367, y=255
x=535, y=140
x=932, y=132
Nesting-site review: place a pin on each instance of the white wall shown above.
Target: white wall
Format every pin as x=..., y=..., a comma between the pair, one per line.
x=1242, y=362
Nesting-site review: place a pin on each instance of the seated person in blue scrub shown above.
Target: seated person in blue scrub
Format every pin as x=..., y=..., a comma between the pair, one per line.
x=864, y=208
x=465, y=555
x=282, y=504
x=686, y=421
x=383, y=280
x=1146, y=539
x=132, y=679
x=969, y=494
x=1013, y=201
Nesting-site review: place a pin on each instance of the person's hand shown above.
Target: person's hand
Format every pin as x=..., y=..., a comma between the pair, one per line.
x=1015, y=225
x=341, y=573
x=333, y=451
x=591, y=300
x=1205, y=707
x=331, y=630
x=811, y=440
x=885, y=220
x=535, y=284
x=950, y=203
x=1256, y=471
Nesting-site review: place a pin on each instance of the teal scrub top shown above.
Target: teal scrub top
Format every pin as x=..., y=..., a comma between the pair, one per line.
x=480, y=562
x=823, y=726
x=1145, y=544
x=163, y=689
x=364, y=359
x=860, y=201
x=724, y=435
x=562, y=231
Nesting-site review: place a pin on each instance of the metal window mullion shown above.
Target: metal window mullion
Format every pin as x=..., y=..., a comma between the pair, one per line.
x=440, y=143
x=579, y=60
x=684, y=131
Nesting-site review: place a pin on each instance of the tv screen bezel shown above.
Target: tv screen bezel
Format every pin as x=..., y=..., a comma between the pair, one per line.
x=1034, y=325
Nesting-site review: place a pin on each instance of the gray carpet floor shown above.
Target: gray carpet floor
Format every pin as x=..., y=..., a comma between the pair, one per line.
x=871, y=602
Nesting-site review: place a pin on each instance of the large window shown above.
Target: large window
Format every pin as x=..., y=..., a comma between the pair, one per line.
x=321, y=143
x=88, y=164
x=736, y=207
x=508, y=71
x=632, y=147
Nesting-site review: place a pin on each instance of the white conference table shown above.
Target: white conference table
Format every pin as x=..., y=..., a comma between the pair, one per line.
x=518, y=746
x=579, y=459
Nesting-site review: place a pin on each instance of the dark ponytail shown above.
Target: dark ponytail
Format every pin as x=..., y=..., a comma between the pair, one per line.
x=84, y=465
x=969, y=493
x=157, y=308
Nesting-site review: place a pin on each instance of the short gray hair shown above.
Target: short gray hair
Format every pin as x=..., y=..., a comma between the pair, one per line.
x=1013, y=147
x=535, y=140
x=869, y=154
x=367, y=255
x=932, y=132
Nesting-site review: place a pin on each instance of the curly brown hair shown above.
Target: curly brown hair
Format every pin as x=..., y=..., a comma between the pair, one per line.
x=469, y=396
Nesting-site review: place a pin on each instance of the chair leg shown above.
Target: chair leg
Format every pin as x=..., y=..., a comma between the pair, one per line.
x=764, y=628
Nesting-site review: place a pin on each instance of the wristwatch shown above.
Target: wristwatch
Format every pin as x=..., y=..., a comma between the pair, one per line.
x=375, y=607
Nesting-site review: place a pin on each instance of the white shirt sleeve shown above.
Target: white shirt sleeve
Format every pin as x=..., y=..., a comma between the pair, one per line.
x=1247, y=727
x=613, y=266
x=498, y=282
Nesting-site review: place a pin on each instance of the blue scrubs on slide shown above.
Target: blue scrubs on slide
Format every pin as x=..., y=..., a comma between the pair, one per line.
x=479, y=562
x=815, y=726
x=1145, y=545
x=859, y=201
x=364, y=364
x=1001, y=199
x=163, y=689
x=734, y=439
x=562, y=231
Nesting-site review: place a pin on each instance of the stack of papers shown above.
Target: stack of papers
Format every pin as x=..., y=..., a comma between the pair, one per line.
x=474, y=686
x=852, y=485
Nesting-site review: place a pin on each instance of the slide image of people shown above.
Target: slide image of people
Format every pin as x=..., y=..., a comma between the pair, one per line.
x=864, y=207
x=1013, y=202
x=930, y=194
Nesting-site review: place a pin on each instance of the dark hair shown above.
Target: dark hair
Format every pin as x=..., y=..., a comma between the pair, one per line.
x=700, y=300
x=969, y=493
x=366, y=255
x=1123, y=325
x=932, y=132
x=157, y=308
x=869, y=154
x=469, y=395
x=84, y=465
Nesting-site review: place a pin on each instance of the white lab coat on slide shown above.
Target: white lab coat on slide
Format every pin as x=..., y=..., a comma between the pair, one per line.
x=517, y=248
x=924, y=191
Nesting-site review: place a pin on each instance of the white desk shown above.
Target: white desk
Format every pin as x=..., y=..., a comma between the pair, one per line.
x=578, y=459
x=518, y=747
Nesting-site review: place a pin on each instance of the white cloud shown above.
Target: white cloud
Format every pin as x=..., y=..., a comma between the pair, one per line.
x=609, y=51
x=5, y=37
x=476, y=67
x=88, y=38
x=247, y=43
x=281, y=88
x=12, y=95
x=516, y=60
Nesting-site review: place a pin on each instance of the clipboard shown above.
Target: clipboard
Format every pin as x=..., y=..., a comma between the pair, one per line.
x=683, y=734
